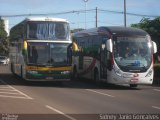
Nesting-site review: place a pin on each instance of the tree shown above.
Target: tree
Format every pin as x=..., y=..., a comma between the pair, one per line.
x=4, y=49
x=153, y=28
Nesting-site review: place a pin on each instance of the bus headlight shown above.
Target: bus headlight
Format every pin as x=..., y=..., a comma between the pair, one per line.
x=32, y=72
x=65, y=72
x=149, y=73
x=118, y=72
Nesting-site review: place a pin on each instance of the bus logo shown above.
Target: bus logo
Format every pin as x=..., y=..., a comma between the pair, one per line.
x=136, y=75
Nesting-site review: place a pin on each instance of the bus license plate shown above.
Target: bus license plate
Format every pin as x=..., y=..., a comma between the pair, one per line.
x=127, y=75
x=134, y=80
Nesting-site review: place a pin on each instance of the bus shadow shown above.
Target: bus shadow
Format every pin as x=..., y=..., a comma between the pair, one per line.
x=90, y=84
x=73, y=84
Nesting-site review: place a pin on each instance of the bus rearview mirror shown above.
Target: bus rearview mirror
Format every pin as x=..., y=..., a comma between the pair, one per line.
x=109, y=45
x=154, y=47
x=103, y=46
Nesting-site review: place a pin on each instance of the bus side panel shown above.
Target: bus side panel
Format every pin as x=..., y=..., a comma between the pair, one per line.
x=88, y=67
x=89, y=64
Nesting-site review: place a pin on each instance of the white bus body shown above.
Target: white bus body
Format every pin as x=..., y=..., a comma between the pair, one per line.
x=101, y=55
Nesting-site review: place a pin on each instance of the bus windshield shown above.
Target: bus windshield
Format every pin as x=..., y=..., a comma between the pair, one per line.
x=54, y=54
x=132, y=53
x=48, y=31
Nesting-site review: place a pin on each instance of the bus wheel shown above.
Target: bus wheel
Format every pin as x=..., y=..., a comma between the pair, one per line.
x=74, y=75
x=133, y=85
x=96, y=76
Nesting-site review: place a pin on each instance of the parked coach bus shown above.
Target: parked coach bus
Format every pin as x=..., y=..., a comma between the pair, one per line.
x=119, y=55
x=38, y=49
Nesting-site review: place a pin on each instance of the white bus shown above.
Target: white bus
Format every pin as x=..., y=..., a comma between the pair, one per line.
x=39, y=49
x=118, y=55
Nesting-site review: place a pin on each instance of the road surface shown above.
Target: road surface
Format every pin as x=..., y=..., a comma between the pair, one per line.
x=75, y=100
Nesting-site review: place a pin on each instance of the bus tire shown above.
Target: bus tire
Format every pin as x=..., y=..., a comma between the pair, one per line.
x=133, y=85
x=96, y=75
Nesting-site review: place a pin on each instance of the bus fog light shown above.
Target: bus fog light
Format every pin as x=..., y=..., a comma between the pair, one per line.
x=149, y=73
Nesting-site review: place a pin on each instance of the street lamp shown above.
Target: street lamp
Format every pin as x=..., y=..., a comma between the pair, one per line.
x=85, y=11
x=125, y=13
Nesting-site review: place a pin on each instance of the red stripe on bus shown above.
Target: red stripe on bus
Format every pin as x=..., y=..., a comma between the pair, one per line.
x=91, y=66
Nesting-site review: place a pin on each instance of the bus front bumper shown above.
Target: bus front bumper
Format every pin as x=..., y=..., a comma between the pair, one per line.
x=131, y=78
x=48, y=75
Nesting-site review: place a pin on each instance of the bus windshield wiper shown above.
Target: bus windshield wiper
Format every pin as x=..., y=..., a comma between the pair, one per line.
x=134, y=65
x=144, y=67
x=130, y=64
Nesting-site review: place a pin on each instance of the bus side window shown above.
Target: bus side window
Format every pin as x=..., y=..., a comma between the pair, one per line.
x=60, y=31
x=19, y=46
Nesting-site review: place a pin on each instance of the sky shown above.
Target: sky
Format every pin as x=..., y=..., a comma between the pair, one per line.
x=78, y=19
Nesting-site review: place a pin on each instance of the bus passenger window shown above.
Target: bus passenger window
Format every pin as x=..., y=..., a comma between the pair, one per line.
x=60, y=31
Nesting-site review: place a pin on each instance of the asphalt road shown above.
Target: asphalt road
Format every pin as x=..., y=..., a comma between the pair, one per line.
x=74, y=100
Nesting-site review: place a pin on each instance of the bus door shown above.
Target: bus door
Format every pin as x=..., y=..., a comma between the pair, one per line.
x=103, y=63
x=80, y=59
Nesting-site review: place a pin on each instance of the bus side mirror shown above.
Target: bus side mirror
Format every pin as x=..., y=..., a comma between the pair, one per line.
x=154, y=47
x=109, y=45
x=69, y=54
x=75, y=47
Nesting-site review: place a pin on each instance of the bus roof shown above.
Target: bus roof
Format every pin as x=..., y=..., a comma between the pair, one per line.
x=126, y=31
x=111, y=30
x=45, y=19
x=41, y=19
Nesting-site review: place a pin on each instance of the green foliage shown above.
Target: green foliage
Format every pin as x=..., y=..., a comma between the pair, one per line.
x=3, y=34
x=156, y=70
x=3, y=40
x=152, y=27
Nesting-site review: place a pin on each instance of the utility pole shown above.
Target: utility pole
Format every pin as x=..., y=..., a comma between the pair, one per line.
x=85, y=12
x=96, y=17
x=125, y=13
